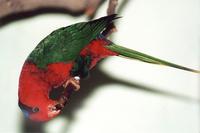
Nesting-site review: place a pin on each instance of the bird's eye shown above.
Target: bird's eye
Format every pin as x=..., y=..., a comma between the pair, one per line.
x=35, y=109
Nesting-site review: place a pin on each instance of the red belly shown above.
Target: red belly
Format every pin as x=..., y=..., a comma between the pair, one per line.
x=54, y=75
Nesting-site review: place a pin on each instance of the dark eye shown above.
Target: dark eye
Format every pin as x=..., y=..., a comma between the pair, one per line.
x=35, y=109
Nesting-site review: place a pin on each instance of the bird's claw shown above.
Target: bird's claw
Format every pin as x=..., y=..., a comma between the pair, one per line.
x=75, y=81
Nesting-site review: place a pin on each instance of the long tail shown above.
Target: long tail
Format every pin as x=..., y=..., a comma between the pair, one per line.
x=125, y=52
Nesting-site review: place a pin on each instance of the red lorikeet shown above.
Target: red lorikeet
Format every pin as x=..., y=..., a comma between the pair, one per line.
x=52, y=70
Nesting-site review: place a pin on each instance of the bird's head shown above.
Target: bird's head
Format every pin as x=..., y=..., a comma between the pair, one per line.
x=39, y=111
x=37, y=100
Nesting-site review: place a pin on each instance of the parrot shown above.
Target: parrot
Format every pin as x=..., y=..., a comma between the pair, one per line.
x=53, y=70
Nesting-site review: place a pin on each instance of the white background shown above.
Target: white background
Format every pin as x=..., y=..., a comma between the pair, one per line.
x=166, y=99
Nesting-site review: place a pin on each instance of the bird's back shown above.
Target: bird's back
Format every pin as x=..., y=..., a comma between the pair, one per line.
x=65, y=44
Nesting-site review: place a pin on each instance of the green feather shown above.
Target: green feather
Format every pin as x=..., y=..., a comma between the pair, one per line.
x=125, y=52
x=65, y=44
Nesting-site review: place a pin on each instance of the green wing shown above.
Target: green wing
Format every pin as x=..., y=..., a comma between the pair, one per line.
x=65, y=44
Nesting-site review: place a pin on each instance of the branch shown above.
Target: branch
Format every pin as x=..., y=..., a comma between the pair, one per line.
x=92, y=6
x=111, y=10
x=10, y=7
x=112, y=7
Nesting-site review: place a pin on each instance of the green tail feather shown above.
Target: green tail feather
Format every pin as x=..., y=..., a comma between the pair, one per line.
x=144, y=57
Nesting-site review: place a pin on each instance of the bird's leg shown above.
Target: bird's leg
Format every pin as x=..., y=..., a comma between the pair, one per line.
x=109, y=30
x=73, y=81
x=111, y=10
x=72, y=84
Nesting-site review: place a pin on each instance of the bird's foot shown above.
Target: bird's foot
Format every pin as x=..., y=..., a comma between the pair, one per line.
x=75, y=81
x=109, y=30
